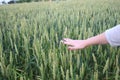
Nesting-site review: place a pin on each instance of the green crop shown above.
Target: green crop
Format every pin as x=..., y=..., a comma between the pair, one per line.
x=30, y=35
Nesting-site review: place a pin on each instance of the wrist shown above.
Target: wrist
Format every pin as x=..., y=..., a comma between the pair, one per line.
x=86, y=43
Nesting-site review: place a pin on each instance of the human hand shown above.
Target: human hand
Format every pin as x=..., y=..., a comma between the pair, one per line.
x=74, y=44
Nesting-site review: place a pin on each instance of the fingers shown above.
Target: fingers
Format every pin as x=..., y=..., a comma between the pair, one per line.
x=67, y=41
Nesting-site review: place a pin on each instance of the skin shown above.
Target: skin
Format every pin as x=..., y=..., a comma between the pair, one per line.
x=81, y=44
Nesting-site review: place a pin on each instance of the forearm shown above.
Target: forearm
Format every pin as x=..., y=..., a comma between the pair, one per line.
x=111, y=36
x=99, y=39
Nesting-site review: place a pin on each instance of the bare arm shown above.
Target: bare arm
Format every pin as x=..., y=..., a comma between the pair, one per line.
x=111, y=36
x=80, y=44
x=99, y=39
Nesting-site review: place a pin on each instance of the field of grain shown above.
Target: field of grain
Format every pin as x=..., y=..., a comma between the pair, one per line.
x=30, y=35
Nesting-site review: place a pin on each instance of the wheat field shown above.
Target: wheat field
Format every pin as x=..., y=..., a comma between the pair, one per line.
x=30, y=35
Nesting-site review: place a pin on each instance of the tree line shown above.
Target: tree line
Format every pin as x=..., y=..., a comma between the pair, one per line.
x=38, y=0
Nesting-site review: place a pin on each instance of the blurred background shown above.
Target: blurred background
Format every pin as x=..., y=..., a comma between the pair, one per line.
x=21, y=1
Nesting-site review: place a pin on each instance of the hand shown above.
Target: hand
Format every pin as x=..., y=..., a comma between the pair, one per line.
x=74, y=44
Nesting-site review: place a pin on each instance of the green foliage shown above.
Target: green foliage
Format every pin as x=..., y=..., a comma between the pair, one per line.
x=30, y=35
